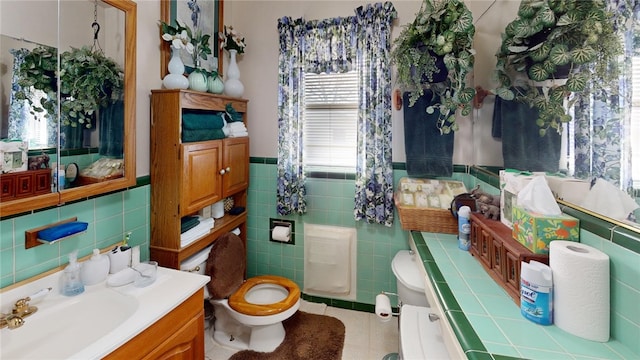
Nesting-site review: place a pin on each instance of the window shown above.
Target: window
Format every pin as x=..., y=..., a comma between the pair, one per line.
x=330, y=115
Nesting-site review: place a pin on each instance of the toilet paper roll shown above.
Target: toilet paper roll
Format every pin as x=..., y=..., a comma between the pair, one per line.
x=383, y=307
x=281, y=233
x=580, y=289
x=217, y=209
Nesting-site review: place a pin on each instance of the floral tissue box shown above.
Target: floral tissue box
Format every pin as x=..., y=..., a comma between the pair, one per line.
x=13, y=156
x=535, y=231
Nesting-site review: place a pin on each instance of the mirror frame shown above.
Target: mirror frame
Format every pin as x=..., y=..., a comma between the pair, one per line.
x=165, y=48
x=24, y=205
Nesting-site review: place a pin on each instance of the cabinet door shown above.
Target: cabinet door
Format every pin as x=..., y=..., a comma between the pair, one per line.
x=186, y=343
x=201, y=182
x=484, y=247
x=7, y=186
x=497, y=258
x=236, y=165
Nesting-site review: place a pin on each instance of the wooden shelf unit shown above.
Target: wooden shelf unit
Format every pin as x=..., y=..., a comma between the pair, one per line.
x=493, y=245
x=186, y=177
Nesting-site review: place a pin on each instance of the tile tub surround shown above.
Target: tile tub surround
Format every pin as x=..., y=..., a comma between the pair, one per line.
x=487, y=322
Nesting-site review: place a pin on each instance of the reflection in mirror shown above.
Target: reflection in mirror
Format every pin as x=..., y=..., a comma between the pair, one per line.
x=600, y=143
x=94, y=121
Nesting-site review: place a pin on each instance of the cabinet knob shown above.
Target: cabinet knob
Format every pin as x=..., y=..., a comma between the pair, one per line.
x=222, y=171
x=228, y=169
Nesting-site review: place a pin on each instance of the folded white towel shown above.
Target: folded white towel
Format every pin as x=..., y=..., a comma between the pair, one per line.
x=237, y=125
x=238, y=134
x=196, y=232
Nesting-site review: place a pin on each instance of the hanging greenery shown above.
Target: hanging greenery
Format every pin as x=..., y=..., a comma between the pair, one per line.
x=88, y=81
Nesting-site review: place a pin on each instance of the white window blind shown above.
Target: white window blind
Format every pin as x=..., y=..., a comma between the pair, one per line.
x=330, y=120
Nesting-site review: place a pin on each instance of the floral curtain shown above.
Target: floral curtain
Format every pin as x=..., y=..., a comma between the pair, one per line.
x=374, y=171
x=602, y=121
x=337, y=45
x=19, y=113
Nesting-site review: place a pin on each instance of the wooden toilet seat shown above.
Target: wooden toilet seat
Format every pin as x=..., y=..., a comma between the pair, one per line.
x=238, y=303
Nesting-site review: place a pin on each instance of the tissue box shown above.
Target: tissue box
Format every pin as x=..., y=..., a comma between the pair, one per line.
x=536, y=231
x=568, y=189
x=13, y=156
x=511, y=182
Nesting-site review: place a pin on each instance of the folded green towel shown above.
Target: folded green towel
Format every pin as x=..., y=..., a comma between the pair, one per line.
x=202, y=135
x=188, y=223
x=201, y=120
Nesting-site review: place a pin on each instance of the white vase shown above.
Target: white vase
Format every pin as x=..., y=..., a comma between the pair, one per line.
x=232, y=85
x=197, y=81
x=175, y=78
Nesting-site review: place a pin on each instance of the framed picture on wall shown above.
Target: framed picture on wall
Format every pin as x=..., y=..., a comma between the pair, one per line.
x=198, y=15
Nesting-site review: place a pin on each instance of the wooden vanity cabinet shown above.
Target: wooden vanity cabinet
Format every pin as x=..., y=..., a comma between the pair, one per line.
x=179, y=335
x=499, y=253
x=186, y=177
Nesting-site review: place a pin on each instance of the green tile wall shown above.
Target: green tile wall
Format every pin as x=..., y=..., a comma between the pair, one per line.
x=330, y=202
x=109, y=218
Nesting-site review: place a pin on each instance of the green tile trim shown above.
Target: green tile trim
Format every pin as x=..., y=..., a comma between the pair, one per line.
x=36, y=152
x=460, y=168
x=83, y=151
x=467, y=336
x=263, y=160
x=504, y=357
x=343, y=304
x=447, y=299
x=479, y=355
x=142, y=181
x=433, y=272
x=627, y=239
x=590, y=223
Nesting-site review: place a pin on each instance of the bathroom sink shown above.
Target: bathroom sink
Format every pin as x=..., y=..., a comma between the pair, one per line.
x=63, y=326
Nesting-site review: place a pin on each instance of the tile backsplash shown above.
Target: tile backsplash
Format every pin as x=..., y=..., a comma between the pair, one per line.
x=109, y=218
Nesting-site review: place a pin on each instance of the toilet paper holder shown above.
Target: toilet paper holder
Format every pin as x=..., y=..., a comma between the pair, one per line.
x=282, y=223
x=393, y=313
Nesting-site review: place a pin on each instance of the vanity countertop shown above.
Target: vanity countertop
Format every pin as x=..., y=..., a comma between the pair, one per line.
x=170, y=289
x=486, y=320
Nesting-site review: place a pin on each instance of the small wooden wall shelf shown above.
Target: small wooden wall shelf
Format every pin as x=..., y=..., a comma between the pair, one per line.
x=31, y=236
x=493, y=245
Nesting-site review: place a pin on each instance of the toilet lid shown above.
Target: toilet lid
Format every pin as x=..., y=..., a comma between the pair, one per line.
x=406, y=270
x=226, y=266
x=420, y=338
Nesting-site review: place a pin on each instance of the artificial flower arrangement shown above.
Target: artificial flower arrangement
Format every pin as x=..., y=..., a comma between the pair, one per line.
x=182, y=37
x=231, y=40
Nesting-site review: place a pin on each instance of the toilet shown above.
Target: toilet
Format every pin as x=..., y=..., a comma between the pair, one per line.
x=248, y=314
x=420, y=334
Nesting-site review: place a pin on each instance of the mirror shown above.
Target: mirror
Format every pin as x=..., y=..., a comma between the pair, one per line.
x=488, y=154
x=85, y=127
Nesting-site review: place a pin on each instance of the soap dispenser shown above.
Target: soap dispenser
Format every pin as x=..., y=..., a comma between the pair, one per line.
x=71, y=281
x=95, y=270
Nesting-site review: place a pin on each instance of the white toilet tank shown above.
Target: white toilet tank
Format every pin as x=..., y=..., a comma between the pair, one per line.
x=408, y=279
x=197, y=263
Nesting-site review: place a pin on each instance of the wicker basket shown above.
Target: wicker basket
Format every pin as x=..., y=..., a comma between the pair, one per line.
x=428, y=220
x=426, y=217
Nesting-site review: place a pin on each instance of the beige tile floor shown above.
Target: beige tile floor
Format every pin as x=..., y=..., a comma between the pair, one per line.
x=366, y=338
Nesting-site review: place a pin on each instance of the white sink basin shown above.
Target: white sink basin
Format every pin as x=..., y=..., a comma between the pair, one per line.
x=64, y=326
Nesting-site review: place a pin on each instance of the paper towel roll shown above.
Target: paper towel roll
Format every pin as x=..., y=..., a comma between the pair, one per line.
x=281, y=233
x=580, y=289
x=383, y=307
